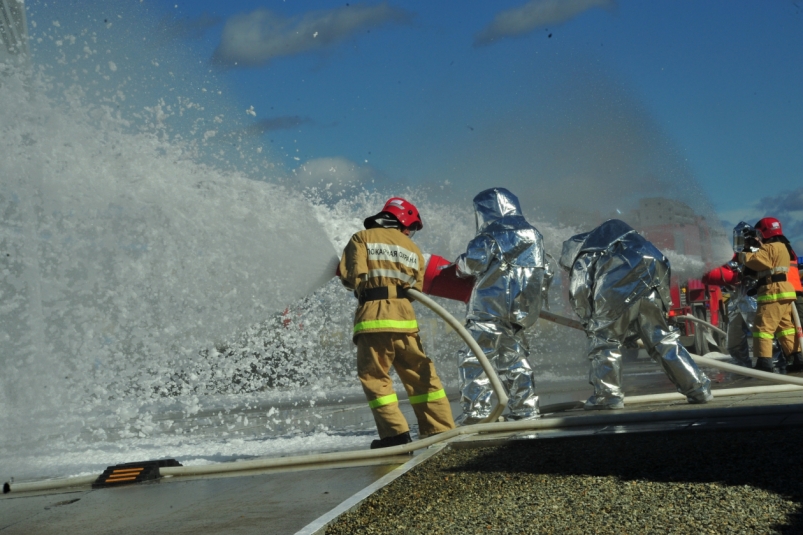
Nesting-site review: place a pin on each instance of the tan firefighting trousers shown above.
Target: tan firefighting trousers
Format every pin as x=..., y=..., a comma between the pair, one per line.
x=376, y=353
x=774, y=320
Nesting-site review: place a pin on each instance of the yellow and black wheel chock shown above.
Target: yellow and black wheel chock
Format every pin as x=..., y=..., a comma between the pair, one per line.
x=123, y=474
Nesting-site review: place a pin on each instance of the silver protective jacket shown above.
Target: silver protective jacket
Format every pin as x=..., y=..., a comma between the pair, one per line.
x=612, y=266
x=508, y=263
x=507, y=260
x=619, y=286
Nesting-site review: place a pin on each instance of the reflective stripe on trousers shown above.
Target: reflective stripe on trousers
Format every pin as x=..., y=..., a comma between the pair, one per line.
x=779, y=334
x=376, y=353
x=425, y=398
x=384, y=400
x=414, y=400
x=774, y=321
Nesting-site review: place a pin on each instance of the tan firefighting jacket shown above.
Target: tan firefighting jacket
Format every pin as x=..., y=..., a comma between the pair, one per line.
x=771, y=259
x=381, y=257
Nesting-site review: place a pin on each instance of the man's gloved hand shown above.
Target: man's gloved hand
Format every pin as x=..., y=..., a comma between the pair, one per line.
x=752, y=243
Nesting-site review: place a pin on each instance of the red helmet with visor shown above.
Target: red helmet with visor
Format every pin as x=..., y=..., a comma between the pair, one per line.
x=769, y=227
x=405, y=212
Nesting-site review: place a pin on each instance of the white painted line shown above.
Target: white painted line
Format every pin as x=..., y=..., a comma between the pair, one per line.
x=317, y=526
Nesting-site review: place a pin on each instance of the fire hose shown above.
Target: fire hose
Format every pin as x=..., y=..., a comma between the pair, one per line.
x=493, y=378
x=311, y=461
x=711, y=359
x=788, y=384
x=615, y=418
x=775, y=378
x=575, y=324
x=702, y=322
x=798, y=328
x=501, y=396
x=561, y=320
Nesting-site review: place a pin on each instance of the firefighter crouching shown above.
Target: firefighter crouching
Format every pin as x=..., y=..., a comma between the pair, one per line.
x=379, y=264
x=619, y=287
x=769, y=253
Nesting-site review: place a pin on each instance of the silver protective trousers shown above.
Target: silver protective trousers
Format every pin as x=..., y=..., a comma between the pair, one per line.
x=738, y=335
x=646, y=318
x=505, y=346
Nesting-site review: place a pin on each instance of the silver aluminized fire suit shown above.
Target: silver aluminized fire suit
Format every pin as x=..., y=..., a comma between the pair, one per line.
x=741, y=318
x=509, y=265
x=619, y=286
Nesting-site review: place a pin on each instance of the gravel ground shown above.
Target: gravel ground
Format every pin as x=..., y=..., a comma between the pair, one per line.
x=670, y=482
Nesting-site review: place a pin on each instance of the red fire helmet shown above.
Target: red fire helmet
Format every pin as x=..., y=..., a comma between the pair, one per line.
x=405, y=212
x=769, y=227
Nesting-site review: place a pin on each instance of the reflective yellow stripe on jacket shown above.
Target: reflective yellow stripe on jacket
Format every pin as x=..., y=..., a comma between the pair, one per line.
x=775, y=297
x=771, y=257
x=376, y=258
x=385, y=324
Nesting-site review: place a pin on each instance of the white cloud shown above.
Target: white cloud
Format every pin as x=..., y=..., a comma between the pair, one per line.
x=258, y=37
x=535, y=14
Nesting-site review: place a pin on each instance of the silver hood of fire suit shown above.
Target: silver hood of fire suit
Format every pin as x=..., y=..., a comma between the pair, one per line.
x=611, y=267
x=508, y=261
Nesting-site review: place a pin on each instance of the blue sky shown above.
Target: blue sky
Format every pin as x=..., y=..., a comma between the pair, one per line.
x=587, y=102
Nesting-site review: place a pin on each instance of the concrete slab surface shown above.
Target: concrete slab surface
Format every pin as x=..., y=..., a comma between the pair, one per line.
x=276, y=503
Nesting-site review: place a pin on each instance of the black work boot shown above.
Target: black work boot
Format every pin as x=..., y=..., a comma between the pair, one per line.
x=795, y=363
x=387, y=442
x=764, y=364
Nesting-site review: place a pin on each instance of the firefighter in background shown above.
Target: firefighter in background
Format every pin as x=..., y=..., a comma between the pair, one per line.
x=770, y=255
x=740, y=283
x=508, y=263
x=379, y=264
x=619, y=286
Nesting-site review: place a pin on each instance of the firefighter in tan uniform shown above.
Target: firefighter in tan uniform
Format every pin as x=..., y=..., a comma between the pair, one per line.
x=776, y=293
x=379, y=264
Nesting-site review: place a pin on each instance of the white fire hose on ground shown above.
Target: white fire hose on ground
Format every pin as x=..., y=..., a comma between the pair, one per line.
x=712, y=359
x=773, y=377
x=613, y=418
x=595, y=419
